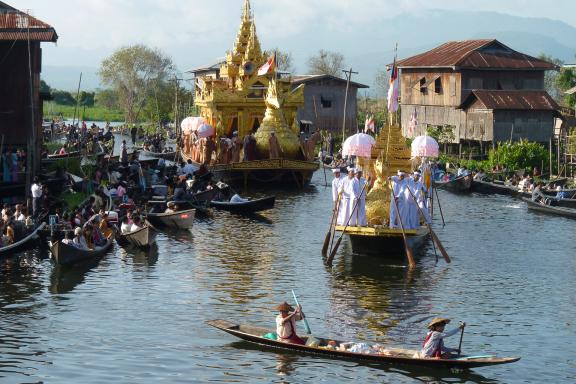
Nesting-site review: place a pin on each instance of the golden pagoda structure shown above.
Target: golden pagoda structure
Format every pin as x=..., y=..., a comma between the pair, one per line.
x=389, y=154
x=238, y=102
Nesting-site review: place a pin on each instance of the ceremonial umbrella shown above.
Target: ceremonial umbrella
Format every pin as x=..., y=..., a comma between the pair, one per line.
x=205, y=130
x=424, y=146
x=192, y=123
x=359, y=144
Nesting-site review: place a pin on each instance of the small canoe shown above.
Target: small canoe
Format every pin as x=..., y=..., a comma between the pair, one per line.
x=462, y=184
x=65, y=254
x=489, y=187
x=388, y=356
x=22, y=243
x=540, y=206
x=142, y=238
x=159, y=155
x=178, y=220
x=250, y=206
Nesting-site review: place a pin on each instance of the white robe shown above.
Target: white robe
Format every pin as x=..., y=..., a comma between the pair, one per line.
x=360, y=194
x=399, y=191
x=420, y=194
x=336, y=183
x=413, y=219
x=344, y=210
x=354, y=190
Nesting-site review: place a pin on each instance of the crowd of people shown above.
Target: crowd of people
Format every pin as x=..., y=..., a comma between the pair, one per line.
x=13, y=164
x=13, y=223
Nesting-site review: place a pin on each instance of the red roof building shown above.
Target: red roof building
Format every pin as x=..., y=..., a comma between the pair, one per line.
x=482, y=90
x=20, y=67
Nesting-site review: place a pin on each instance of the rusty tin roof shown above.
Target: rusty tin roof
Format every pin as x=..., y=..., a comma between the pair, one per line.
x=475, y=54
x=506, y=99
x=17, y=25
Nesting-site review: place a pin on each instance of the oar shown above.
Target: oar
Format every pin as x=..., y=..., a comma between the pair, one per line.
x=335, y=223
x=440, y=207
x=335, y=249
x=306, y=325
x=461, y=337
x=409, y=254
x=327, y=238
x=435, y=238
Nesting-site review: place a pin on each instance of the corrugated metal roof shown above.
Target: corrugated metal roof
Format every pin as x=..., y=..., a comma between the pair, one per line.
x=475, y=54
x=301, y=79
x=505, y=99
x=17, y=25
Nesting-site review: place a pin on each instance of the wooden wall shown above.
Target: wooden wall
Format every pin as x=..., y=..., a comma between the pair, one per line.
x=532, y=125
x=420, y=87
x=506, y=80
x=329, y=118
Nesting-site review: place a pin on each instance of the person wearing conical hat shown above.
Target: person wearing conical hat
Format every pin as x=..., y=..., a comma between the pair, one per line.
x=433, y=346
x=286, y=323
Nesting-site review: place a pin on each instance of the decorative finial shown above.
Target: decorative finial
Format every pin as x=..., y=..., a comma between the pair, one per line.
x=246, y=12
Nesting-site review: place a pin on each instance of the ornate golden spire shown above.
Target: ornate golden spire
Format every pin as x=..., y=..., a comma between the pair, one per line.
x=246, y=11
x=253, y=50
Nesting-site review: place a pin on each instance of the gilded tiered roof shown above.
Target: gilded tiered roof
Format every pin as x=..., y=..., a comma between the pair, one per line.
x=389, y=154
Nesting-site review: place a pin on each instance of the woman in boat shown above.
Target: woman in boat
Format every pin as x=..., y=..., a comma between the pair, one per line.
x=433, y=346
x=286, y=323
x=79, y=241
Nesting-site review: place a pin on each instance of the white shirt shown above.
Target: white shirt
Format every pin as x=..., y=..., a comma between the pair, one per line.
x=284, y=331
x=188, y=169
x=36, y=190
x=237, y=199
x=125, y=228
x=134, y=228
x=336, y=183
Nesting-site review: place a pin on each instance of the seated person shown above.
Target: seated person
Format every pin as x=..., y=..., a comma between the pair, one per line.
x=126, y=226
x=559, y=193
x=104, y=227
x=137, y=224
x=79, y=241
x=237, y=199
x=170, y=207
x=67, y=238
x=434, y=341
x=286, y=323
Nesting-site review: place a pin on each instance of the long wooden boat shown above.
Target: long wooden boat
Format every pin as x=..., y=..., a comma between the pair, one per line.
x=142, y=238
x=268, y=172
x=462, y=184
x=22, y=243
x=65, y=254
x=382, y=240
x=179, y=220
x=542, y=207
x=65, y=155
x=489, y=187
x=161, y=155
x=250, y=206
x=387, y=356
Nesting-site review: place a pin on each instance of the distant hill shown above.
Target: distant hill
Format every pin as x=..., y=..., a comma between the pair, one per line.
x=366, y=49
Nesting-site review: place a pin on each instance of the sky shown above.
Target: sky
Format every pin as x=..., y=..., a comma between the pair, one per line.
x=195, y=32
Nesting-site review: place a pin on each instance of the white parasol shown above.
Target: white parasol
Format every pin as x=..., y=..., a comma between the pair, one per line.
x=205, y=130
x=359, y=144
x=424, y=146
x=191, y=124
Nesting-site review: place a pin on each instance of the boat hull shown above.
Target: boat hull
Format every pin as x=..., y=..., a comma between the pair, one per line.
x=65, y=254
x=386, y=242
x=142, y=238
x=178, y=220
x=160, y=155
x=397, y=356
x=21, y=244
x=462, y=184
x=550, y=210
x=246, y=207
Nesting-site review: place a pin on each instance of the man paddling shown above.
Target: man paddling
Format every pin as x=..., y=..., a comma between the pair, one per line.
x=286, y=323
x=433, y=346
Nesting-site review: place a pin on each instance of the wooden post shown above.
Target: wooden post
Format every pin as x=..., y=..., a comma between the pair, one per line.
x=558, y=156
x=550, y=155
x=348, y=76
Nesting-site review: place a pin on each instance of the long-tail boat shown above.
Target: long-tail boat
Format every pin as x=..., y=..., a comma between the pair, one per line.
x=541, y=206
x=179, y=220
x=141, y=238
x=66, y=254
x=381, y=354
x=461, y=184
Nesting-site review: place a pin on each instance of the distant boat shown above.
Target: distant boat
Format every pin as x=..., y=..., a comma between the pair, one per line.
x=248, y=206
x=179, y=220
x=65, y=254
x=142, y=238
x=557, y=211
x=462, y=184
x=28, y=235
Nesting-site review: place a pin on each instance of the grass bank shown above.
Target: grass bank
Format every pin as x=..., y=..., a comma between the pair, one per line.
x=88, y=113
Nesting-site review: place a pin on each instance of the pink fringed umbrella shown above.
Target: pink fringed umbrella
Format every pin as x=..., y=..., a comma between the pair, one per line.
x=359, y=144
x=424, y=146
x=205, y=130
x=192, y=123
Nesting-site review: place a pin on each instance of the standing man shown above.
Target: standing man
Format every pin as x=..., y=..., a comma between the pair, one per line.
x=419, y=191
x=274, y=146
x=345, y=196
x=336, y=183
x=361, y=196
x=399, y=193
x=133, y=133
x=36, y=190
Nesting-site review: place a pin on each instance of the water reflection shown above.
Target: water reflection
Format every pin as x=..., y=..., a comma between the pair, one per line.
x=141, y=259
x=64, y=279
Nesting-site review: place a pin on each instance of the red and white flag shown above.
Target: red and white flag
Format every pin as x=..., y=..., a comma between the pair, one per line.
x=393, y=89
x=369, y=124
x=269, y=66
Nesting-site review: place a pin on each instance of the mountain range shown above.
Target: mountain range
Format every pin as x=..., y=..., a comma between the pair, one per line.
x=367, y=49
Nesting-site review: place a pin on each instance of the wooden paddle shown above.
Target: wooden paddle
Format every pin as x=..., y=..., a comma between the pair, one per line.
x=335, y=249
x=440, y=207
x=409, y=254
x=327, y=238
x=432, y=233
x=335, y=223
x=461, y=337
x=306, y=325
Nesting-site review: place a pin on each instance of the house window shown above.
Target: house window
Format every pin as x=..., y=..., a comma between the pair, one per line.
x=423, y=85
x=325, y=102
x=438, y=85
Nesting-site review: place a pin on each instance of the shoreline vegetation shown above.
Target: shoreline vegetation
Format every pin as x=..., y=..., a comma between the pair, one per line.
x=96, y=113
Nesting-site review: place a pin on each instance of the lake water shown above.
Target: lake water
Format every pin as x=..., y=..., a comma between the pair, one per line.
x=139, y=317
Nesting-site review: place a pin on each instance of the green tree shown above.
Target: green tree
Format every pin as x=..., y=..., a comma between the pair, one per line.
x=134, y=72
x=284, y=60
x=86, y=99
x=326, y=63
x=566, y=80
x=518, y=155
x=550, y=77
x=443, y=134
x=107, y=98
x=63, y=98
x=44, y=87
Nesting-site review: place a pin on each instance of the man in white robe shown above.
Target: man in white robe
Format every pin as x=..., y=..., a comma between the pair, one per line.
x=336, y=182
x=399, y=192
x=344, y=211
x=360, y=192
x=354, y=190
x=420, y=193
